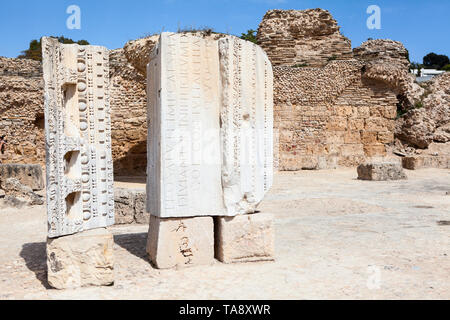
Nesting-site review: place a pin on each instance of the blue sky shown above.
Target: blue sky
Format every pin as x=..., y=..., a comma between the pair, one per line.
x=423, y=26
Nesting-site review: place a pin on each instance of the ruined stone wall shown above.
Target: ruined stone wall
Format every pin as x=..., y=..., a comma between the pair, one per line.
x=332, y=116
x=128, y=116
x=306, y=37
x=22, y=111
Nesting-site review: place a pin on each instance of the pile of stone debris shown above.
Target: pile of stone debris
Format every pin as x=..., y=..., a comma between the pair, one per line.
x=20, y=185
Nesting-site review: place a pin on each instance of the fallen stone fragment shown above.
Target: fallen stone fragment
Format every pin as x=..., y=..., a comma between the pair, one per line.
x=245, y=238
x=381, y=171
x=81, y=260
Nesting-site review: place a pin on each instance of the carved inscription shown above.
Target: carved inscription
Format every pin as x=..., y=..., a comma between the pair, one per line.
x=184, y=167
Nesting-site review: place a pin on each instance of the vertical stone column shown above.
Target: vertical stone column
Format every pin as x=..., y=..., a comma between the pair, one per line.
x=246, y=124
x=184, y=166
x=210, y=147
x=244, y=235
x=79, y=171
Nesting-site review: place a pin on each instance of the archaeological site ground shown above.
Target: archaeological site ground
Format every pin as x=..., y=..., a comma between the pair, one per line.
x=197, y=165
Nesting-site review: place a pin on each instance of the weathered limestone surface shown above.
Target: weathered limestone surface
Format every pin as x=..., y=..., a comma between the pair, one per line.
x=306, y=37
x=184, y=166
x=130, y=206
x=246, y=124
x=426, y=161
x=81, y=260
x=381, y=171
x=28, y=175
x=180, y=242
x=245, y=238
x=78, y=138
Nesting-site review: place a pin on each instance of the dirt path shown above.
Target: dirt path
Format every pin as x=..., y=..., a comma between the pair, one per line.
x=336, y=238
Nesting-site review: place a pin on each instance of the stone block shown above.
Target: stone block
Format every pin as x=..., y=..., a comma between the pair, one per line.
x=124, y=203
x=381, y=171
x=386, y=137
x=180, y=242
x=352, y=137
x=413, y=163
x=141, y=216
x=244, y=238
x=246, y=124
x=81, y=260
x=369, y=137
x=375, y=150
x=184, y=162
x=29, y=175
x=130, y=206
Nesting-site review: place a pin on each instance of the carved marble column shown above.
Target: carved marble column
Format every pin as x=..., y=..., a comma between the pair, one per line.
x=79, y=171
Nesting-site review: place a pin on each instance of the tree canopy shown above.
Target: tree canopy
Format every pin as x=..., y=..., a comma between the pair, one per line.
x=250, y=36
x=34, y=51
x=435, y=61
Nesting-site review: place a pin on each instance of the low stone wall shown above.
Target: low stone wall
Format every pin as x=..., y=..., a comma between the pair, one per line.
x=426, y=161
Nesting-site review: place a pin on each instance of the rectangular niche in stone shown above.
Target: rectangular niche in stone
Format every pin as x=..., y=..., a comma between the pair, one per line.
x=78, y=138
x=246, y=124
x=184, y=164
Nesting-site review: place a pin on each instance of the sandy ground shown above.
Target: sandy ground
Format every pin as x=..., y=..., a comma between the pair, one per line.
x=336, y=238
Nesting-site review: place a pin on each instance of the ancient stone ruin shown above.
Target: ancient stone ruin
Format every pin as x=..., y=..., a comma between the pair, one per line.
x=80, y=194
x=206, y=119
x=309, y=38
x=210, y=142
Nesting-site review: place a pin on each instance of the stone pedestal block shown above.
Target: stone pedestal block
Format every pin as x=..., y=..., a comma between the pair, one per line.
x=381, y=171
x=180, y=242
x=81, y=260
x=245, y=238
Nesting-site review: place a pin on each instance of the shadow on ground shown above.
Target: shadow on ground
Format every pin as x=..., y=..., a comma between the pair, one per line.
x=35, y=257
x=135, y=243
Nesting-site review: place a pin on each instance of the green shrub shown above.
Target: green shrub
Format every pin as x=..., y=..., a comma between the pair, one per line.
x=34, y=51
x=300, y=65
x=250, y=36
x=446, y=67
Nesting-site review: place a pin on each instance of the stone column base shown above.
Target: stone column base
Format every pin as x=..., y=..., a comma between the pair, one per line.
x=244, y=238
x=81, y=260
x=180, y=242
